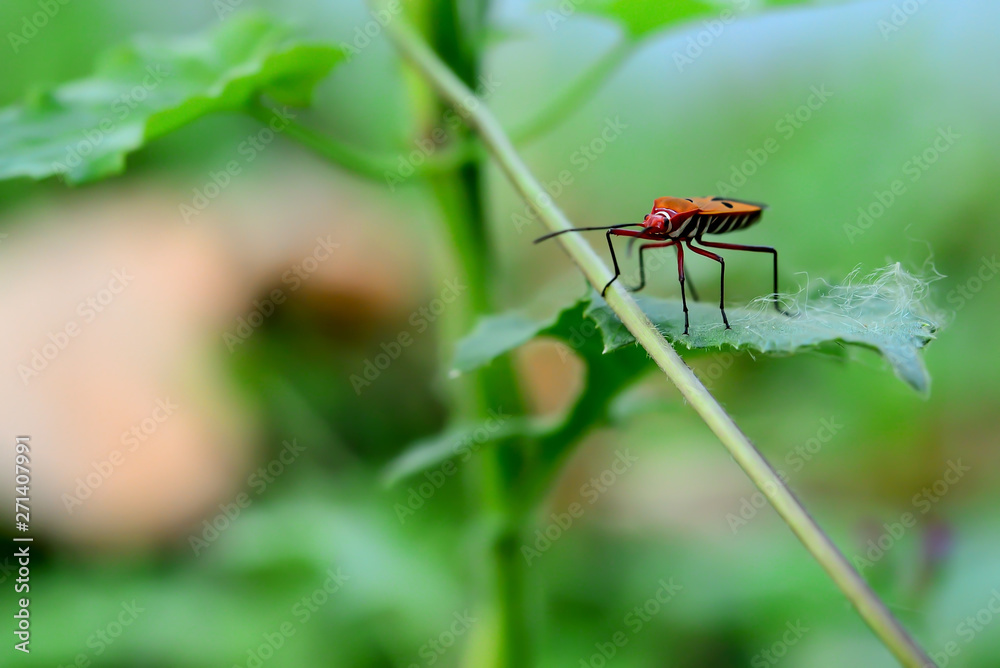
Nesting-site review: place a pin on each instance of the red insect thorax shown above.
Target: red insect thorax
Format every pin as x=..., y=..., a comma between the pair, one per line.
x=669, y=213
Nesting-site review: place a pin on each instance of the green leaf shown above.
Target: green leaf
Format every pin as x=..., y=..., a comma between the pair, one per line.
x=493, y=336
x=460, y=440
x=84, y=129
x=886, y=311
x=497, y=334
x=641, y=18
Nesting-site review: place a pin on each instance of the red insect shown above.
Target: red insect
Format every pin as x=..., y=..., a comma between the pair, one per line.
x=679, y=222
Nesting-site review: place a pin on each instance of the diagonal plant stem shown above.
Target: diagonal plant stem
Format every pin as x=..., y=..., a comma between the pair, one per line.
x=871, y=609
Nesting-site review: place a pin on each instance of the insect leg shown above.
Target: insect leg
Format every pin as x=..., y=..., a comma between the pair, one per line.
x=642, y=266
x=614, y=259
x=754, y=249
x=722, y=284
x=687, y=281
x=680, y=278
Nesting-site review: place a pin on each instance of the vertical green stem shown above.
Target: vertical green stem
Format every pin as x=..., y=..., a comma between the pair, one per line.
x=455, y=28
x=501, y=467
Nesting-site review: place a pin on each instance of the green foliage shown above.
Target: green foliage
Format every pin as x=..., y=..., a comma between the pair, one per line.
x=887, y=311
x=454, y=441
x=496, y=335
x=84, y=129
x=641, y=18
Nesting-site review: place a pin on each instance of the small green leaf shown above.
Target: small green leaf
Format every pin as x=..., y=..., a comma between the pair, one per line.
x=641, y=18
x=496, y=335
x=462, y=441
x=886, y=311
x=84, y=129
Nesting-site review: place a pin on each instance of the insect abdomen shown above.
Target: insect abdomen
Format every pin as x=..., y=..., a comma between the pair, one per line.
x=720, y=223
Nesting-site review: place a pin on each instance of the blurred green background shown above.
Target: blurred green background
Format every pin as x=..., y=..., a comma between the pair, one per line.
x=405, y=588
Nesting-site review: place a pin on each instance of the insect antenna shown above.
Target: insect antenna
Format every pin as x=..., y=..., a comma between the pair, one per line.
x=585, y=229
